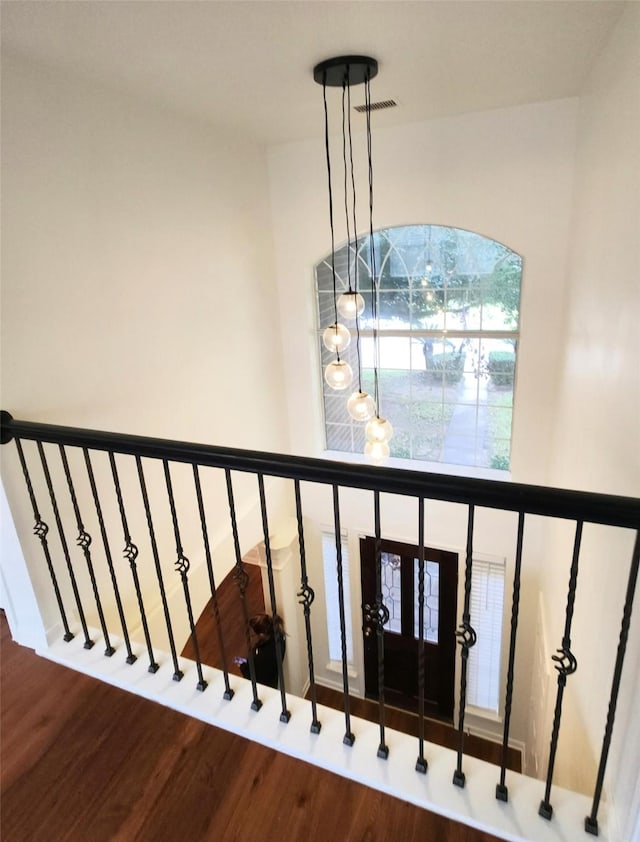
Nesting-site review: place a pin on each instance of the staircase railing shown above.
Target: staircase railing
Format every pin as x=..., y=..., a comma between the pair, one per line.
x=79, y=493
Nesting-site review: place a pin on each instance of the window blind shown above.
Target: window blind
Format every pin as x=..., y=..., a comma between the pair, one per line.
x=329, y=559
x=487, y=606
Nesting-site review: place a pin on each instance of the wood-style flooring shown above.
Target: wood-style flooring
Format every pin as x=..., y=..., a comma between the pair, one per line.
x=85, y=762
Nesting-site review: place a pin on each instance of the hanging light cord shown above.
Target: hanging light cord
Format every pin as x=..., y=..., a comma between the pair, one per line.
x=355, y=236
x=333, y=245
x=372, y=253
x=345, y=88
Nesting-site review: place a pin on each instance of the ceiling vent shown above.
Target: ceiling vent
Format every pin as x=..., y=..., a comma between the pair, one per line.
x=376, y=106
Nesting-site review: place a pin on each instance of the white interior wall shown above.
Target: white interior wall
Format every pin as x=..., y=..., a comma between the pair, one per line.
x=597, y=428
x=507, y=174
x=137, y=296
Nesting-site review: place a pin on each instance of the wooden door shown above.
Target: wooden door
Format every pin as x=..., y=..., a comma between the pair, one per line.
x=399, y=568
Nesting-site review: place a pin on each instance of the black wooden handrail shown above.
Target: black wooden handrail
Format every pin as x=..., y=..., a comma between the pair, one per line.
x=608, y=509
x=577, y=506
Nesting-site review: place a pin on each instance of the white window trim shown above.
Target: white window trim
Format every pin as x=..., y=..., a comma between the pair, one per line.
x=417, y=465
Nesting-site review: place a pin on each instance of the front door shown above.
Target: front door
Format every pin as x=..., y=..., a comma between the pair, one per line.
x=400, y=592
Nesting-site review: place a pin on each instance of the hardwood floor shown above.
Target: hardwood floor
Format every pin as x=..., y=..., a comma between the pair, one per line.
x=84, y=762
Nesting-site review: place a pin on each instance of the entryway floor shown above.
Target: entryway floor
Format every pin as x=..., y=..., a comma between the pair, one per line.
x=440, y=733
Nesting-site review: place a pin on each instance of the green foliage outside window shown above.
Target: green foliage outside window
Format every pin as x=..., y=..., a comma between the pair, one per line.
x=501, y=367
x=448, y=367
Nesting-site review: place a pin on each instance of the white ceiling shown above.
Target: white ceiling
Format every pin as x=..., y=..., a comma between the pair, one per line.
x=247, y=64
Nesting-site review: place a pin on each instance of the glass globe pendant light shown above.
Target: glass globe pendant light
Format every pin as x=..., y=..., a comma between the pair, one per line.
x=338, y=375
x=361, y=406
x=336, y=337
x=376, y=450
x=378, y=430
x=350, y=305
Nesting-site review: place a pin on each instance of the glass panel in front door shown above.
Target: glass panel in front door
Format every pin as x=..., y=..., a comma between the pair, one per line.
x=392, y=590
x=431, y=599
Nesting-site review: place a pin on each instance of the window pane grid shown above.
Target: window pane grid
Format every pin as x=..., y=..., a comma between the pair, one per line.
x=448, y=395
x=391, y=576
x=431, y=600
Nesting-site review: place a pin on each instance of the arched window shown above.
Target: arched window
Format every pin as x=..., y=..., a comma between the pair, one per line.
x=448, y=312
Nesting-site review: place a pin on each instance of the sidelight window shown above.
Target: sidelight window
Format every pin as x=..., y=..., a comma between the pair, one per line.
x=330, y=563
x=487, y=606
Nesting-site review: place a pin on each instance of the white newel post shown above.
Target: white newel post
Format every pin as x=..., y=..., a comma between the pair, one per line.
x=285, y=557
x=17, y=596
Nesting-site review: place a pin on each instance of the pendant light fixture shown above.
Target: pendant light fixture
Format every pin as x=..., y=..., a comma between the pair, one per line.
x=344, y=72
x=336, y=338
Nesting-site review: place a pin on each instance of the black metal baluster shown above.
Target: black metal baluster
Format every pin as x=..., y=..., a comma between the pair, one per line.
x=131, y=658
x=285, y=715
x=466, y=638
x=421, y=763
x=182, y=566
x=502, y=791
x=130, y=552
x=306, y=597
x=88, y=643
x=349, y=738
x=228, y=692
x=177, y=672
x=381, y=619
x=591, y=821
x=242, y=580
x=84, y=542
x=41, y=529
x=566, y=664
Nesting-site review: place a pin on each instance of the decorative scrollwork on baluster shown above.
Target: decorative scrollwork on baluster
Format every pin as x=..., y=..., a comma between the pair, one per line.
x=84, y=540
x=182, y=566
x=375, y=615
x=467, y=637
x=383, y=616
x=565, y=663
x=41, y=530
x=130, y=552
x=306, y=595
